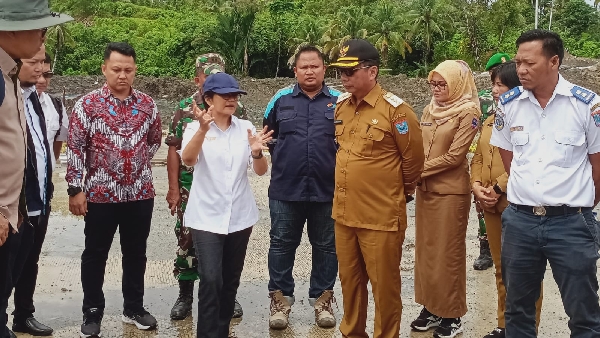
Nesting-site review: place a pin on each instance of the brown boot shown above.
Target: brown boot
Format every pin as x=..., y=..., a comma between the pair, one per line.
x=280, y=310
x=324, y=311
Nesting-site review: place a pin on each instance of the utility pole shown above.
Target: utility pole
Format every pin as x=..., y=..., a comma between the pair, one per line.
x=551, y=10
x=537, y=10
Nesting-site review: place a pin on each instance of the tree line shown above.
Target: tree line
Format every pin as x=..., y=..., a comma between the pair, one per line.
x=257, y=37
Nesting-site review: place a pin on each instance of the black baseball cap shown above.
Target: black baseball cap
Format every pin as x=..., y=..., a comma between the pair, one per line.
x=355, y=51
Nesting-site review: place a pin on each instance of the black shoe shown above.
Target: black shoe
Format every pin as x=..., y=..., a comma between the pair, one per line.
x=33, y=327
x=183, y=305
x=484, y=261
x=143, y=320
x=11, y=334
x=449, y=328
x=425, y=321
x=238, y=312
x=92, y=319
x=497, y=333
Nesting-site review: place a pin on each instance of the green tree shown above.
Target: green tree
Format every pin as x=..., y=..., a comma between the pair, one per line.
x=389, y=31
x=428, y=17
x=278, y=9
x=57, y=38
x=349, y=24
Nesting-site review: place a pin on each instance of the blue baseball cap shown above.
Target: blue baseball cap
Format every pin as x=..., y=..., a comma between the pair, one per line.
x=221, y=83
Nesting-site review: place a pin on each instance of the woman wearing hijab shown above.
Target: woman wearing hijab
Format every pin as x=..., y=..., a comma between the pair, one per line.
x=221, y=209
x=449, y=124
x=489, y=181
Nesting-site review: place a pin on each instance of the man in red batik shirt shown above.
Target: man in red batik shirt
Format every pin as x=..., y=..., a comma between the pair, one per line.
x=113, y=134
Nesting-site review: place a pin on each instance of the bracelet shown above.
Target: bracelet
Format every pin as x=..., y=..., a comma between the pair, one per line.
x=258, y=157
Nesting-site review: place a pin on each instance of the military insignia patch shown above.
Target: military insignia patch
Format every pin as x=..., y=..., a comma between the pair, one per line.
x=510, y=95
x=596, y=117
x=499, y=122
x=401, y=126
x=475, y=123
x=583, y=94
x=343, y=51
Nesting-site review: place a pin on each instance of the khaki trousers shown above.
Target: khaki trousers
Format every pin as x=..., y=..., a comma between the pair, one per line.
x=493, y=223
x=370, y=255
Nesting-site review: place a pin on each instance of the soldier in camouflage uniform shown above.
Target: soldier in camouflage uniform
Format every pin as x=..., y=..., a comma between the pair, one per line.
x=488, y=106
x=180, y=182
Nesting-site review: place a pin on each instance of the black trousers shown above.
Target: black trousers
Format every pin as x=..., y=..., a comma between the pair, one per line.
x=28, y=264
x=220, y=264
x=5, y=283
x=101, y=222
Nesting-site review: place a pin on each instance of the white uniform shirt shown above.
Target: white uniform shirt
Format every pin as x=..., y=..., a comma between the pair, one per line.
x=221, y=200
x=38, y=137
x=53, y=123
x=550, y=146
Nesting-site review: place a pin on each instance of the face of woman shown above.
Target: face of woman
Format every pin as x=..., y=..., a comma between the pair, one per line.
x=439, y=87
x=224, y=103
x=499, y=88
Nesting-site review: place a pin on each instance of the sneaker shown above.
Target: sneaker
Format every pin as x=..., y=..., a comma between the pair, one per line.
x=143, y=320
x=92, y=319
x=425, y=321
x=497, y=333
x=280, y=308
x=323, y=309
x=449, y=328
x=238, y=312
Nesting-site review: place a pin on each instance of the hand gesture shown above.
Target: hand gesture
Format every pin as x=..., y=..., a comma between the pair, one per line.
x=205, y=117
x=258, y=141
x=482, y=195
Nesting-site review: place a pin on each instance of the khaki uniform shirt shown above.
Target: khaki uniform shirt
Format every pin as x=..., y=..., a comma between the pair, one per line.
x=12, y=141
x=487, y=166
x=379, y=160
x=446, y=169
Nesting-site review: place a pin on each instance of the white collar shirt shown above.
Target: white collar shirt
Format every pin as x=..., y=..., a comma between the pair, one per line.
x=38, y=137
x=550, y=147
x=56, y=130
x=221, y=200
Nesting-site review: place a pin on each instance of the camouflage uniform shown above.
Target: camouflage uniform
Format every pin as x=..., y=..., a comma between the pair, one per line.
x=186, y=264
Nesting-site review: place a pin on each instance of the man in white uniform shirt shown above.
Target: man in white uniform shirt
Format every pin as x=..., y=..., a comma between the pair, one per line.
x=548, y=132
x=54, y=111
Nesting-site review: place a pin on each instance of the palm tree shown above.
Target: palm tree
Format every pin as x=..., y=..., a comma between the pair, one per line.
x=349, y=24
x=310, y=32
x=58, y=37
x=389, y=31
x=427, y=18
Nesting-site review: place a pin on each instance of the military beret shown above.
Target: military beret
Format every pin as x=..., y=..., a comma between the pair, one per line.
x=496, y=59
x=210, y=63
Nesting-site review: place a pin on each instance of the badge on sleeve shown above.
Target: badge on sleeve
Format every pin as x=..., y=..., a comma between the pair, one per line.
x=499, y=122
x=401, y=126
x=475, y=123
x=596, y=117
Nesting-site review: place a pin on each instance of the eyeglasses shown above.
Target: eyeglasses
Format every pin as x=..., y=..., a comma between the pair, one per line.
x=48, y=75
x=349, y=72
x=441, y=85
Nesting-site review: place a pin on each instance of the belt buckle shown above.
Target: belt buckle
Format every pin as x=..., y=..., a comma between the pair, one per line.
x=539, y=211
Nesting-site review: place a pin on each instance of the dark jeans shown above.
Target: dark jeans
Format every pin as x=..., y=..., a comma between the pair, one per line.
x=5, y=283
x=133, y=220
x=570, y=243
x=25, y=285
x=220, y=264
x=287, y=224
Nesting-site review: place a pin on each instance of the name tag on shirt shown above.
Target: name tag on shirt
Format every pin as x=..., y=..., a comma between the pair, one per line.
x=516, y=128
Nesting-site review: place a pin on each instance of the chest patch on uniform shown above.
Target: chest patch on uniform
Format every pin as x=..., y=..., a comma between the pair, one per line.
x=510, y=95
x=517, y=128
x=475, y=123
x=499, y=122
x=330, y=106
x=583, y=94
x=2, y=89
x=401, y=126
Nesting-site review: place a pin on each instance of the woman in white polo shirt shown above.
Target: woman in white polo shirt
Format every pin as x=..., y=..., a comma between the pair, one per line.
x=221, y=209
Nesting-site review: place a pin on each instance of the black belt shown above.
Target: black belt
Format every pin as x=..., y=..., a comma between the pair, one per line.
x=550, y=211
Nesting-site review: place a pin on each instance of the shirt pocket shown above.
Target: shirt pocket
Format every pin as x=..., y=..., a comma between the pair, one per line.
x=286, y=120
x=519, y=140
x=330, y=126
x=372, y=139
x=569, y=144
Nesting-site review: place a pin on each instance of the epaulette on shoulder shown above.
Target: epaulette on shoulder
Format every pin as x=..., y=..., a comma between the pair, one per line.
x=510, y=95
x=343, y=97
x=582, y=94
x=392, y=99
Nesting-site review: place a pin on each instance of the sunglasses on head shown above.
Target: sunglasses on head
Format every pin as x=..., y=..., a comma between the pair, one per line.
x=48, y=75
x=350, y=71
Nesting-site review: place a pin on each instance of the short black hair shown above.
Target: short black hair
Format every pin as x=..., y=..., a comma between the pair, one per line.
x=308, y=49
x=371, y=63
x=120, y=47
x=48, y=59
x=552, y=44
x=507, y=74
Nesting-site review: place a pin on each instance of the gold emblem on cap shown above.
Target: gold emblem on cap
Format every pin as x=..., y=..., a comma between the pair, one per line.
x=344, y=50
x=503, y=59
x=374, y=121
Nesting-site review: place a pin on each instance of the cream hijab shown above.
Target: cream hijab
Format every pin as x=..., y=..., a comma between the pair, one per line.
x=461, y=90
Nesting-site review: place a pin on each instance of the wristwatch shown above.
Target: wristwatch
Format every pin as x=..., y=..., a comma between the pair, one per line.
x=73, y=191
x=498, y=190
x=258, y=157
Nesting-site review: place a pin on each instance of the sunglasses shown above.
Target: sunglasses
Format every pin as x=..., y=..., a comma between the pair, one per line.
x=350, y=71
x=48, y=75
x=441, y=85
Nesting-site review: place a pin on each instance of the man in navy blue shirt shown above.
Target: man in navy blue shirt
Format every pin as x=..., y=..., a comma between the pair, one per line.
x=301, y=190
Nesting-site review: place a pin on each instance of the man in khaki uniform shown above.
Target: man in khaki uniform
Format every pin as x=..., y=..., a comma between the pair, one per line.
x=379, y=161
x=22, y=32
